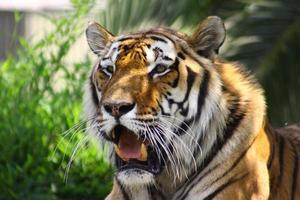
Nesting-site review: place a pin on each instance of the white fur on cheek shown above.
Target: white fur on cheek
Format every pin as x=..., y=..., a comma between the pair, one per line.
x=89, y=108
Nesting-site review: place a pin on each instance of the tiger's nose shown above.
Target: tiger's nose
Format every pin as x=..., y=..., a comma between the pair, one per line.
x=118, y=109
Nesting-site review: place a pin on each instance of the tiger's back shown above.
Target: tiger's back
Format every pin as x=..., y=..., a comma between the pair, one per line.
x=284, y=163
x=181, y=123
x=270, y=167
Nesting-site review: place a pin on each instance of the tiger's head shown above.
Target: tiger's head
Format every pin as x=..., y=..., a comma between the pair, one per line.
x=148, y=95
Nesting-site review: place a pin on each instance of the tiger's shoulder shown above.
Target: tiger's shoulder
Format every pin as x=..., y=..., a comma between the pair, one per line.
x=278, y=148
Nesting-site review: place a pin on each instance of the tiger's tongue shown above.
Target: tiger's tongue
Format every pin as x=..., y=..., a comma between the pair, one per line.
x=130, y=146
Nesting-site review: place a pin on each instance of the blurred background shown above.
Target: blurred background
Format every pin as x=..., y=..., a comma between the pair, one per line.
x=44, y=62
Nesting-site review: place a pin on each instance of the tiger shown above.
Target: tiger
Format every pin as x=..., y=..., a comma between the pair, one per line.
x=181, y=123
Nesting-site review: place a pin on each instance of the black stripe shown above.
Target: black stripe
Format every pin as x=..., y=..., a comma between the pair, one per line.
x=202, y=93
x=126, y=48
x=166, y=36
x=166, y=58
x=186, y=53
x=295, y=172
x=158, y=49
x=93, y=91
x=235, y=117
x=184, y=126
x=162, y=109
x=155, y=193
x=174, y=66
x=126, y=38
x=222, y=187
x=181, y=55
x=191, y=76
x=204, y=53
x=124, y=193
x=158, y=39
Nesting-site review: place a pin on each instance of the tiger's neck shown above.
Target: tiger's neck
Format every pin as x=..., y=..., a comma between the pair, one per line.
x=236, y=118
x=233, y=115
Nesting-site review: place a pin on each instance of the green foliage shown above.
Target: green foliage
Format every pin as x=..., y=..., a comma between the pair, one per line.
x=40, y=98
x=127, y=15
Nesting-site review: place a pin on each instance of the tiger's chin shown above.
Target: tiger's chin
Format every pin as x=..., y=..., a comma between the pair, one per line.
x=135, y=177
x=137, y=162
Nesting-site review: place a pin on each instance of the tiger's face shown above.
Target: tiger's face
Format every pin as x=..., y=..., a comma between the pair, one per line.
x=144, y=99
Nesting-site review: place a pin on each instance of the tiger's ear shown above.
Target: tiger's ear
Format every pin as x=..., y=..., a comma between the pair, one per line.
x=208, y=37
x=98, y=37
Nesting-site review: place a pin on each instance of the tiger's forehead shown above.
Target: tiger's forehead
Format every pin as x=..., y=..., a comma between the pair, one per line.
x=153, y=48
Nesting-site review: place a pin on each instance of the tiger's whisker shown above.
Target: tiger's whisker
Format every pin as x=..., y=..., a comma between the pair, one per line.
x=77, y=147
x=176, y=151
x=183, y=145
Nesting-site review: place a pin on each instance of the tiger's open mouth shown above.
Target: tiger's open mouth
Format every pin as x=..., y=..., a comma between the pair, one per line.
x=134, y=152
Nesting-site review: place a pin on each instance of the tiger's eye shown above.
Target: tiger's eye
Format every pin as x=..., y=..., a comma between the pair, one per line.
x=161, y=68
x=110, y=69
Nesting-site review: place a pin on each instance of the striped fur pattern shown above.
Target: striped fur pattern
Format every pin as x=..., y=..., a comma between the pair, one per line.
x=204, y=119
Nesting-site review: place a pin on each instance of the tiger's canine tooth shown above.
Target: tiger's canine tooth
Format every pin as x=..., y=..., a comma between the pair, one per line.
x=117, y=150
x=144, y=153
